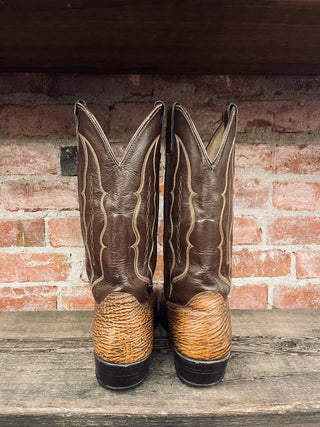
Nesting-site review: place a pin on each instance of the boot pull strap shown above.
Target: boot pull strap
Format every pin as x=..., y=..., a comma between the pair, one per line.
x=75, y=113
x=228, y=113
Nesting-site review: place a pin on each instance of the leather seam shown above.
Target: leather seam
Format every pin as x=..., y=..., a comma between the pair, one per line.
x=221, y=215
x=199, y=141
x=179, y=221
x=104, y=195
x=170, y=216
x=193, y=216
x=137, y=193
x=91, y=220
x=147, y=224
x=84, y=187
x=154, y=207
x=104, y=138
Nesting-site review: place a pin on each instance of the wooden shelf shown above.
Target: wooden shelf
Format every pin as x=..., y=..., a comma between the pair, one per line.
x=161, y=36
x=47, y=375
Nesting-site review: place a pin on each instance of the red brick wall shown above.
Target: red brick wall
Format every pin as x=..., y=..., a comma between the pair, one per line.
x=277, y=225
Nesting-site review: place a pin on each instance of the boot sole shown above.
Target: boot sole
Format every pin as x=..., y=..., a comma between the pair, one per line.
x=199, y=373
x=121, y=376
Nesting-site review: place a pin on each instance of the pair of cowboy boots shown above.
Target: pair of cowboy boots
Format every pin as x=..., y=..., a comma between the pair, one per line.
x=119, y=220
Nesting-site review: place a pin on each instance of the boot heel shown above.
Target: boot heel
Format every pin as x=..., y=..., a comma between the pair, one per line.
x=199, y=373
x=121, y=377
x=201, y=332
x=122, y=333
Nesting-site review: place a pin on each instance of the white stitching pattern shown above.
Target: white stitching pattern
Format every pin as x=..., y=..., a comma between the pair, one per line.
x=192, y=194
x=103, y=196
x=135, y=246
x=224, y=279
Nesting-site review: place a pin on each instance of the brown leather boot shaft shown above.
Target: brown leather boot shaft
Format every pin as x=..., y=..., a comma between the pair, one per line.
x=198, y=245
x=198, y=208
x=119, y=205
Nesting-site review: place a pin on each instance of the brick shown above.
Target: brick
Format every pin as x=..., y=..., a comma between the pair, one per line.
x=252, y=155
x=33, y=267
x=39, y=195
x=260, y=114
x=250, y=193
x=41, y=120
x=9, y=233
x=249, y=297
x=28, y=159
x=112, y=87
x=173, y=88
x=245, y=231
x=292, y=117
x=293, y=87
x=20, y=82
x=271, y=263
x=307, y=296
x=204, y=88
x=294, y=231
x=22, y=232
x=77, y=298
x=32, y=232
x=308, y=264
x=65, y=232
x=300, y=159
x=126, y=118
x=281, y=116
x=296, y=196
x=33, y=298
x=160, y=233
x=84, y=275
x=158, y=274
x=161, y=185
x=44, y=120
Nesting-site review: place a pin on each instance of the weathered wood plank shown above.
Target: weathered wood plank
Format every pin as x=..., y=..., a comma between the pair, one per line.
x=47, y=375
x=161, y=36
x=81, y=420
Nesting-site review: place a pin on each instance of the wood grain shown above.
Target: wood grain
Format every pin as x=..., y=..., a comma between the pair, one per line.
x=161, y=36
x=47, y=375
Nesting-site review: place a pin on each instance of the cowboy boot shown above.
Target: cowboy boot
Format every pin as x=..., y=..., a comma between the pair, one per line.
x=119, y=219
x=198, y=244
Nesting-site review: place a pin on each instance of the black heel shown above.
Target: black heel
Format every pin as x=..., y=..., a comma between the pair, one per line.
x=121, y=377
x=199, y=373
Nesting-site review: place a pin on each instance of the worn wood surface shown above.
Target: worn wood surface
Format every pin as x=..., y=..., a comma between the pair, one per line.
x=47, y=375
x=161, y=36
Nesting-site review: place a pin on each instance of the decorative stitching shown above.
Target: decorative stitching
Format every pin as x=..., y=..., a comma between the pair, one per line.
x=104, y=138
x=224, y=279
x=84, y=187
x=91, y=221
x=103, y=196
x=199, y=140
x=179, y=222
x=229, y=246
x=170, y=216
x=154, y=208
x=193, y=216
x=147, y=224
x=137, y=193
